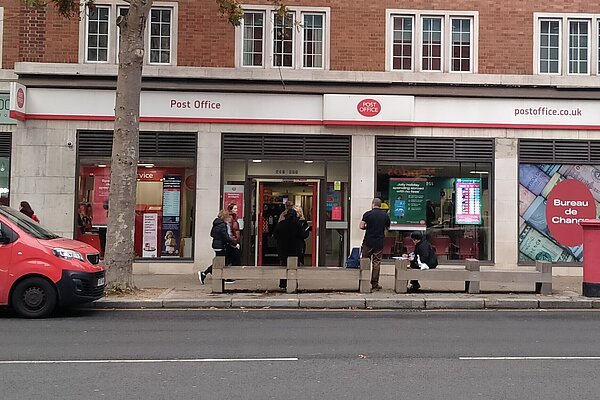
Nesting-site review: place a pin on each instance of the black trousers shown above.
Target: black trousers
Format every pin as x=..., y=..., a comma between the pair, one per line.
x=218, y=253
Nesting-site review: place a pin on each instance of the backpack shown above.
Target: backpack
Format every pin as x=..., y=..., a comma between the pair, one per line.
x=353, y=260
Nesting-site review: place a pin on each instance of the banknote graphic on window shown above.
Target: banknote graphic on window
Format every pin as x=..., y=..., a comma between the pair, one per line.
x=536, y=185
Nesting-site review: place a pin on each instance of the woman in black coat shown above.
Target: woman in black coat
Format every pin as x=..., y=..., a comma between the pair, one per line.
x=221, y=240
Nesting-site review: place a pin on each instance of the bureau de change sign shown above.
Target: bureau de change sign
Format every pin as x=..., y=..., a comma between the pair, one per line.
x=569, y=203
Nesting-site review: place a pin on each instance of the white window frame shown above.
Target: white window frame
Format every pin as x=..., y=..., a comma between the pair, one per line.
x=264, y=40
x=589, y=47
x=413, y=41
x=298, y=38
x=565, y=18
x=113, y=48
x=110, y=36
x=447, y=16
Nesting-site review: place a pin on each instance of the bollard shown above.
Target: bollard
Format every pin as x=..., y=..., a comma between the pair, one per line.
x=217, y=274
x=591, y=257
x=364, y=283
x=292, y=275
x=400, y=285
x=544, y=267
x=472, y=286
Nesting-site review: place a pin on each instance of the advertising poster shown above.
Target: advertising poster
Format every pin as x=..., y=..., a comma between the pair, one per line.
x=333, y=205
x=407, y=201
x=171, y=221
x=544, y=221
x=468, y=201
x=234, y=194
x=100, y=206
x=150, y=245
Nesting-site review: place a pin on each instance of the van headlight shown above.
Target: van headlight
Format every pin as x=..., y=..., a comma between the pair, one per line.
x=67, y=254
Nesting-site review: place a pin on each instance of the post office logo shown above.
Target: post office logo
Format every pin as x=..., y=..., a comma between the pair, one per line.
x=368, y=107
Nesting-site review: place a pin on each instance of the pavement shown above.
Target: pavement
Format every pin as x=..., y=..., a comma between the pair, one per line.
x=186, y=292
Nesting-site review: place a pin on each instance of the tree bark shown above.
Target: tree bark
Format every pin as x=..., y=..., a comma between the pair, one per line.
x=120, y=251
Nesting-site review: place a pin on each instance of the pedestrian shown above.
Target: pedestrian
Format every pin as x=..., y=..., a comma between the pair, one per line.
x=83, y=222
x=423, y=257
x=221, y=240
x=290, y=239
x=233, y=252
x=305, y=232
x=26, y=209
x=374, y=223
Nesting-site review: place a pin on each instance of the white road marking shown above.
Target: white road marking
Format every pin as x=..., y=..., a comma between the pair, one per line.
x=529, y=358
x=148, y=361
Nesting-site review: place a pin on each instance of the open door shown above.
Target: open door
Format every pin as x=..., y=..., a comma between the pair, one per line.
x=272, y=197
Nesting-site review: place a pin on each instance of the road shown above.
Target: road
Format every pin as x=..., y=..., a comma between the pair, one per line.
x=233, y=354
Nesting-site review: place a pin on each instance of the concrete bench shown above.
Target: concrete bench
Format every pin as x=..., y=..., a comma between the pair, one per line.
x=472, y=274
x=292, y=272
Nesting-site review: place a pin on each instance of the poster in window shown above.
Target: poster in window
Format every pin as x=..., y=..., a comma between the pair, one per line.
x=150, y=227
x=542, y=218
x=407, y=201
x=171, y=221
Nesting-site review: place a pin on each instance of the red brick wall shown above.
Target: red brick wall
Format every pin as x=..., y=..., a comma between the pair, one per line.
x=357, y=32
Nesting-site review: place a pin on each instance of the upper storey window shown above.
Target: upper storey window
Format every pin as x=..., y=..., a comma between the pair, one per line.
x=100, y=34
x=431, y=41
x=564, y=44
x=296, y=40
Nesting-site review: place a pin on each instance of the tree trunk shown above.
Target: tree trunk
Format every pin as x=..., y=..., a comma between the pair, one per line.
x=120, y=251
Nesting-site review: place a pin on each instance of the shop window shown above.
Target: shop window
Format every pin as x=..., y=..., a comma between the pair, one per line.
x=538, y=241
x=164, y=208
x=449, y=202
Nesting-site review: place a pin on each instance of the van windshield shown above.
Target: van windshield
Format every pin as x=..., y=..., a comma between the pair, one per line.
x=26, y=224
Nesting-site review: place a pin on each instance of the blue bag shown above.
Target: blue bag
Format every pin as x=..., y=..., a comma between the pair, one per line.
x=353, y=261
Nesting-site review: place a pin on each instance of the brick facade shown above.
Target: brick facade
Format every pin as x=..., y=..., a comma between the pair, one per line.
x=357, y=33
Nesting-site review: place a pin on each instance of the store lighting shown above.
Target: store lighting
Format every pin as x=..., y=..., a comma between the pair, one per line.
x=147, y=165
x=101, y=165
x=308, y=161
x=256, y=161
x=479, y=172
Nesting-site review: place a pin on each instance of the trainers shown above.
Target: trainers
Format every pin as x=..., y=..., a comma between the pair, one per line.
x=376, y=287
x=229, y=280
x=201, y=276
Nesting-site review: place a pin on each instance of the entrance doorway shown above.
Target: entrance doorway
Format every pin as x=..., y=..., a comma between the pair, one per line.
x=271, y=198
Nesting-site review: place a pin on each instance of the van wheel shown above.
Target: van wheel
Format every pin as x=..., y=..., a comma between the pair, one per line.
x=34, y=298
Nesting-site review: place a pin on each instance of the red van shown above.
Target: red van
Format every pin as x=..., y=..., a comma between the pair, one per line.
x=40, y=270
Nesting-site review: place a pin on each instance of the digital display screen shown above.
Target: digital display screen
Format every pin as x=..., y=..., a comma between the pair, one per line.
x=468, y=201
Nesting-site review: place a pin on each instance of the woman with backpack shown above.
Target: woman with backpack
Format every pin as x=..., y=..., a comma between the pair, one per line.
x=221, y=241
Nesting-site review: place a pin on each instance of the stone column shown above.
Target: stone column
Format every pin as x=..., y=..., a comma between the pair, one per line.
x=363, y=183
x=506, y=203
x=43, y=172
x=208, y=181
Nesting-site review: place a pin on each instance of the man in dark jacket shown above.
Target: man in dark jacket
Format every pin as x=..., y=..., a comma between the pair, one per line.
x=374, y=223
x=290, y=240
x=423, y=253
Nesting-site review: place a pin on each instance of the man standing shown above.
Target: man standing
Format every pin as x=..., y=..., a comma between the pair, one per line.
x=374, y=223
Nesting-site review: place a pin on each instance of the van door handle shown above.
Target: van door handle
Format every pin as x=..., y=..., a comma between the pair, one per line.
x=19, y=253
